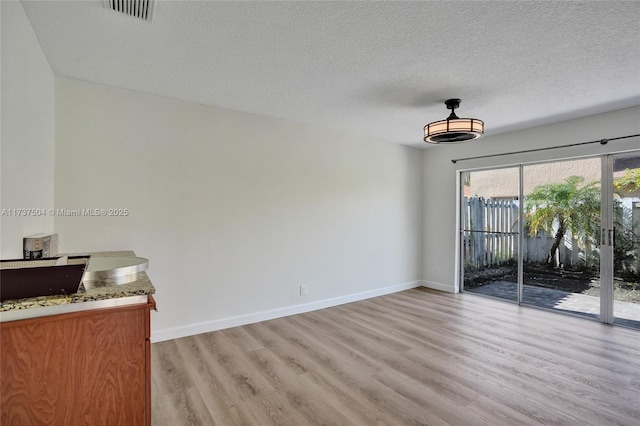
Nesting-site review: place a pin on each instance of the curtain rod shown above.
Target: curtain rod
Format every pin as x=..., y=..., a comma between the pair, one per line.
x=600, y=141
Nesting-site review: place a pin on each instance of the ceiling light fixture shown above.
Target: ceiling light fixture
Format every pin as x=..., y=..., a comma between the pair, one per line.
x=453, y=129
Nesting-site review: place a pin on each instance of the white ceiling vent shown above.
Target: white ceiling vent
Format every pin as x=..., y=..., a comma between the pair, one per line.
x=141, y=9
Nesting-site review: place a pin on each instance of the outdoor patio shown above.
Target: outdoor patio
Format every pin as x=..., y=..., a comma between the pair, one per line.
x=626, y=313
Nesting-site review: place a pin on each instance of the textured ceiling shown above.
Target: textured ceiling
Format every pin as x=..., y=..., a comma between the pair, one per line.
x=371, y=68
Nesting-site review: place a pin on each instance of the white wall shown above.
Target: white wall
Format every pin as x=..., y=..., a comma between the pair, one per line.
x=27, y=134
x=439, y=174
x=235, y=211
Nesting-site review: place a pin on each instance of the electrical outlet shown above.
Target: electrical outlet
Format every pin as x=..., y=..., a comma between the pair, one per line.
x=303, y=290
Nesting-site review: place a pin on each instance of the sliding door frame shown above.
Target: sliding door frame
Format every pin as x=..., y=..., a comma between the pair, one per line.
x=606, y=240
x=607, y=237
x=520, y=283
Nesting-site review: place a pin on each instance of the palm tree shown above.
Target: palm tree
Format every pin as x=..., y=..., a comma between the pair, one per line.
x=563, y=207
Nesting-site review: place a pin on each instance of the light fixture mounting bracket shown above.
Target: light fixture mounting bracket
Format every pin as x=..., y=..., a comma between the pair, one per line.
x=452, y=103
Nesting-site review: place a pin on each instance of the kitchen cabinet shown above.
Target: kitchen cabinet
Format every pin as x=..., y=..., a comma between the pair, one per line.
x=90, y=367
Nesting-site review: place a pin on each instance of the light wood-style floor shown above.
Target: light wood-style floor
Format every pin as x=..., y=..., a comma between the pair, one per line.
x=418, y=357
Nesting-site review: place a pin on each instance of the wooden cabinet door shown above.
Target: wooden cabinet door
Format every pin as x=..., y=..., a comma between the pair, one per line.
x=84, y=368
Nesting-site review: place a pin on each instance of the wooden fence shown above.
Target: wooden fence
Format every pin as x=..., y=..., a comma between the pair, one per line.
x=490, y=236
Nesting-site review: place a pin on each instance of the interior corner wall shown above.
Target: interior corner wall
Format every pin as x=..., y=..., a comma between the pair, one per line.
x=27, y=132
x=439, y=175
x=235, y=211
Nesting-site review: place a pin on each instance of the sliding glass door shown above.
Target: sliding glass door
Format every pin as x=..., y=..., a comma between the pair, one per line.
x=560, y=235
x=625, y=238
x=489, y=232
x=561, y=261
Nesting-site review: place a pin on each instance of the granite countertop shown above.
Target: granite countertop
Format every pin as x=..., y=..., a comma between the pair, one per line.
x=100, y=290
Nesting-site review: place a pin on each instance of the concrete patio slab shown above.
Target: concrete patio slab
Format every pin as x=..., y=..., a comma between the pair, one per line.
x=626, y=313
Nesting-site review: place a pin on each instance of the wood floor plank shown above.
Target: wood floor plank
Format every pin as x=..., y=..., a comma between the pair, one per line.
x=328, y=380
x=388, y=358
x=415, y=357
x=354, y=371
x=218, y=388
x=300, y=392
x=186, y=408
x=241, y=338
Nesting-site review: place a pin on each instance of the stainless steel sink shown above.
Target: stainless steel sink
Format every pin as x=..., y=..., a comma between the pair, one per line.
x=118, y=270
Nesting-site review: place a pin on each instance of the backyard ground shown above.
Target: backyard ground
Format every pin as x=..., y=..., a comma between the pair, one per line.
x=557, y=279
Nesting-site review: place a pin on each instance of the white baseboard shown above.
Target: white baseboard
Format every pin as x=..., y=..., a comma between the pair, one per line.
x=438, y=286
x=220, y=324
